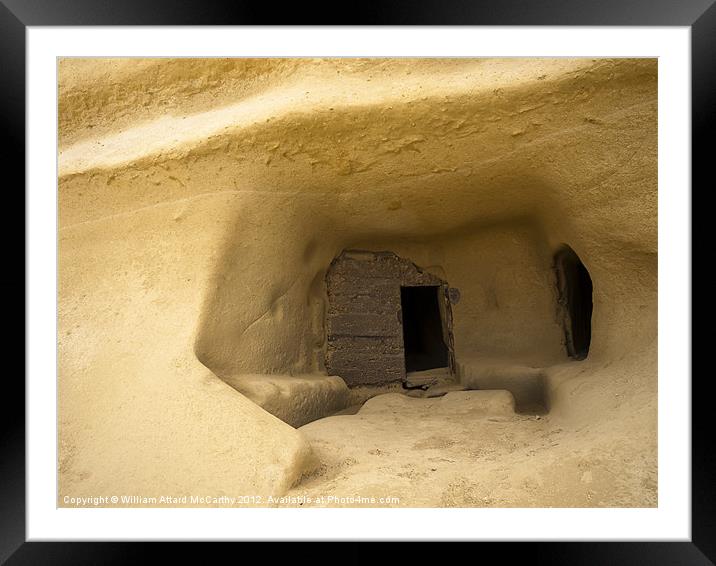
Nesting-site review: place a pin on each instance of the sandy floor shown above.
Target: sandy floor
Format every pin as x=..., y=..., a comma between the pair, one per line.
x=468, y=449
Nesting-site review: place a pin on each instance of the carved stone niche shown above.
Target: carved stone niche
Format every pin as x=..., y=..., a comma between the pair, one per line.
x=366, y=340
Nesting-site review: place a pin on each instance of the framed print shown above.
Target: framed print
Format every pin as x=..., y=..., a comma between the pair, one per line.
x=425, y=275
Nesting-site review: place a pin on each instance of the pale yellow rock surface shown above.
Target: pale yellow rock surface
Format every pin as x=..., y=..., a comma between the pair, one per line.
x=465, y=450
x=495, y=402
x=295, y=399
x=138, y=413
x=201, y=202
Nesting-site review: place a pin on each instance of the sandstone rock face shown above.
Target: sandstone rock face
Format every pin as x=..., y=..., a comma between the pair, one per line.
x=201, y=204
x=295, y=399
x=138, y=413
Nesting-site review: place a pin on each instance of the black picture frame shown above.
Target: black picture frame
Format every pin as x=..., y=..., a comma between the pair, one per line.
x=17, y=15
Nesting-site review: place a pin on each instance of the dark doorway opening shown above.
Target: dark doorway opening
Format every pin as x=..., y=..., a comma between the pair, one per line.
x=423, y=339
x=575, y=292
